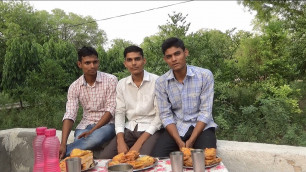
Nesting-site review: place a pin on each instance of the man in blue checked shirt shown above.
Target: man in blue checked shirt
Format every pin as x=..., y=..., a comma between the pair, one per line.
x=185, y=98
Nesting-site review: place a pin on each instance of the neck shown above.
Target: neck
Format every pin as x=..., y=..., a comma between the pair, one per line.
x=137, y=79
x=90, y=79
x=180, y=74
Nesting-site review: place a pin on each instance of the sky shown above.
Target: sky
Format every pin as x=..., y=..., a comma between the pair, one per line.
x=221, y=15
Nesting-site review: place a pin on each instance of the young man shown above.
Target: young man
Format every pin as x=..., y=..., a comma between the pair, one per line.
x=135, y=102
x=96, y=91
x=185, y=97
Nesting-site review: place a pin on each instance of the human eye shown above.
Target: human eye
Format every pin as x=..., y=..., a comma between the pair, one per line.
x=128, y=60
x=87, y=63
x=177, y=53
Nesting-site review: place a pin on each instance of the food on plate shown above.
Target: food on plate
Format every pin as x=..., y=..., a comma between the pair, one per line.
x=133, y=159
x=85, y=155
x=210, y=153
x=210, y=156
x=209, y=162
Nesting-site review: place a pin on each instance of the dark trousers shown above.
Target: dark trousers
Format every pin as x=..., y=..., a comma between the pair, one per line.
x=166, y=144
x=130, y=137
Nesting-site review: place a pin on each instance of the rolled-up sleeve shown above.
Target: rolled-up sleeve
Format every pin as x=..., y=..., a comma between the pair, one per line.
x=164, y=106
x=72, y=104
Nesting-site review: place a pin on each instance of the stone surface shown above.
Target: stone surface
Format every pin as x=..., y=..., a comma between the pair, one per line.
x=16, y=154
x=257, y=157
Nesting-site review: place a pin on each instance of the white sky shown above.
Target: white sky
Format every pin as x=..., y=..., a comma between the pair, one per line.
x=221, y=15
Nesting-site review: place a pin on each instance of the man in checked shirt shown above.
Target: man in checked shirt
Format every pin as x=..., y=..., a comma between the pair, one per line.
x=184, y=97
x=96, y=92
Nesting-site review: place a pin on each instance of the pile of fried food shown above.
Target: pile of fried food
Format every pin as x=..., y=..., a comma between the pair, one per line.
x=210, y=157
x=132, y=158
x=85, y=155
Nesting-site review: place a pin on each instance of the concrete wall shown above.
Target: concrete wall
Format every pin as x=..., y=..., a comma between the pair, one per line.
x=16, y=154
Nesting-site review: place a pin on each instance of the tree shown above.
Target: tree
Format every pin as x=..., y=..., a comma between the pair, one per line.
x=78, y=30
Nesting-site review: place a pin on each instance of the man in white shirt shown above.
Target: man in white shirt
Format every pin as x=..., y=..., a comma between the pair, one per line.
x=137, y=121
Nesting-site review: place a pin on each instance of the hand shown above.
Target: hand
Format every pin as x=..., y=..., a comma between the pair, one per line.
x=189, y=143
x=85, y=134
x=122, y=147
x=62, y=151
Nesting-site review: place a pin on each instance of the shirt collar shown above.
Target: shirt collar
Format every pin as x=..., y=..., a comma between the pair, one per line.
x=98, y=79
x=189, y=73
x=146, y=77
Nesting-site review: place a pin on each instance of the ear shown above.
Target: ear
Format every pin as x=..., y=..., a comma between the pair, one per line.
x=144, y=60
x=79, y=64
x=124, y=63
x=186, y=52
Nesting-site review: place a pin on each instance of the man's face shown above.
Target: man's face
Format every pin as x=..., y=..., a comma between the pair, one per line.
x=134, y=62
x=176, y=58
x=89, y=65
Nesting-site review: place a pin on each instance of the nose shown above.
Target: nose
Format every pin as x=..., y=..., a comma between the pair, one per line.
x=133, y=62
x=173, y=58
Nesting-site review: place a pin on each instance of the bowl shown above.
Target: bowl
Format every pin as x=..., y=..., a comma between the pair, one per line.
x=121, y=168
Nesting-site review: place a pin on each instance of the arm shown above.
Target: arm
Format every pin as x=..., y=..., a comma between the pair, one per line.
x=205, y=114
x=166, y=114
x=120, y=119
x=72, y=107
x=66, y=129
x=137, y=145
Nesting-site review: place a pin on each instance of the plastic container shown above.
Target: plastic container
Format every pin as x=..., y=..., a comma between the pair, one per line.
x=38, y=149
x=51, y=147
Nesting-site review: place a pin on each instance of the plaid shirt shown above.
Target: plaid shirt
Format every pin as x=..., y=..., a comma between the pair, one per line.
x=185, y=104
x=95, y=100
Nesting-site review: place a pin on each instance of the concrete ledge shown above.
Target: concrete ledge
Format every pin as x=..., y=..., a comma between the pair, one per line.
x=257, y=157
x=16, y=154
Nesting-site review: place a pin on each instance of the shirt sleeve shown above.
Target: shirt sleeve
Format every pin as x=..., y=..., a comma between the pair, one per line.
x=206, y=97
x=164, y=106
x=156, y=123
x=110, y=104
x=120, y=109
x=72, y=104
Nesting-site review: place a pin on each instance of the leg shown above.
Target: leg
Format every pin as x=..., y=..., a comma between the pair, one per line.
x=207, y=139
x=148, y=145
x=110, y=150
x=165, y=145
x=98, y=137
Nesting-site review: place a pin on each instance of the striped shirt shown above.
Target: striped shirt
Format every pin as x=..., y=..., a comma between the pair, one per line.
x=95, y=100
x=185, y=104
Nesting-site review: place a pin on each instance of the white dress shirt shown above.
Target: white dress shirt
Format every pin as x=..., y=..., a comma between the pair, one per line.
x=137, y=105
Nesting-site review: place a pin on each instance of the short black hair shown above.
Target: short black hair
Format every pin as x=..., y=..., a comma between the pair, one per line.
x=132, y=48
x=172, y=42
x=86, y=51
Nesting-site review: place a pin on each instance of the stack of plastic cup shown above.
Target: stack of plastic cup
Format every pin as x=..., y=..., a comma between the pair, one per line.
x=38, y=149
x=51, y=147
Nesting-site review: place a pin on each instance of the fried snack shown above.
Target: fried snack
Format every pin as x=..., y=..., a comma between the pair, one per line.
x=120, y=158
x=131, y=155
x=146, y=161
x=136, y=164
x=212, y=161
x=113, y=163
x=133, y=159
x=188, y=162
x=78, y=152
x=210, y=153
x=85, y=155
